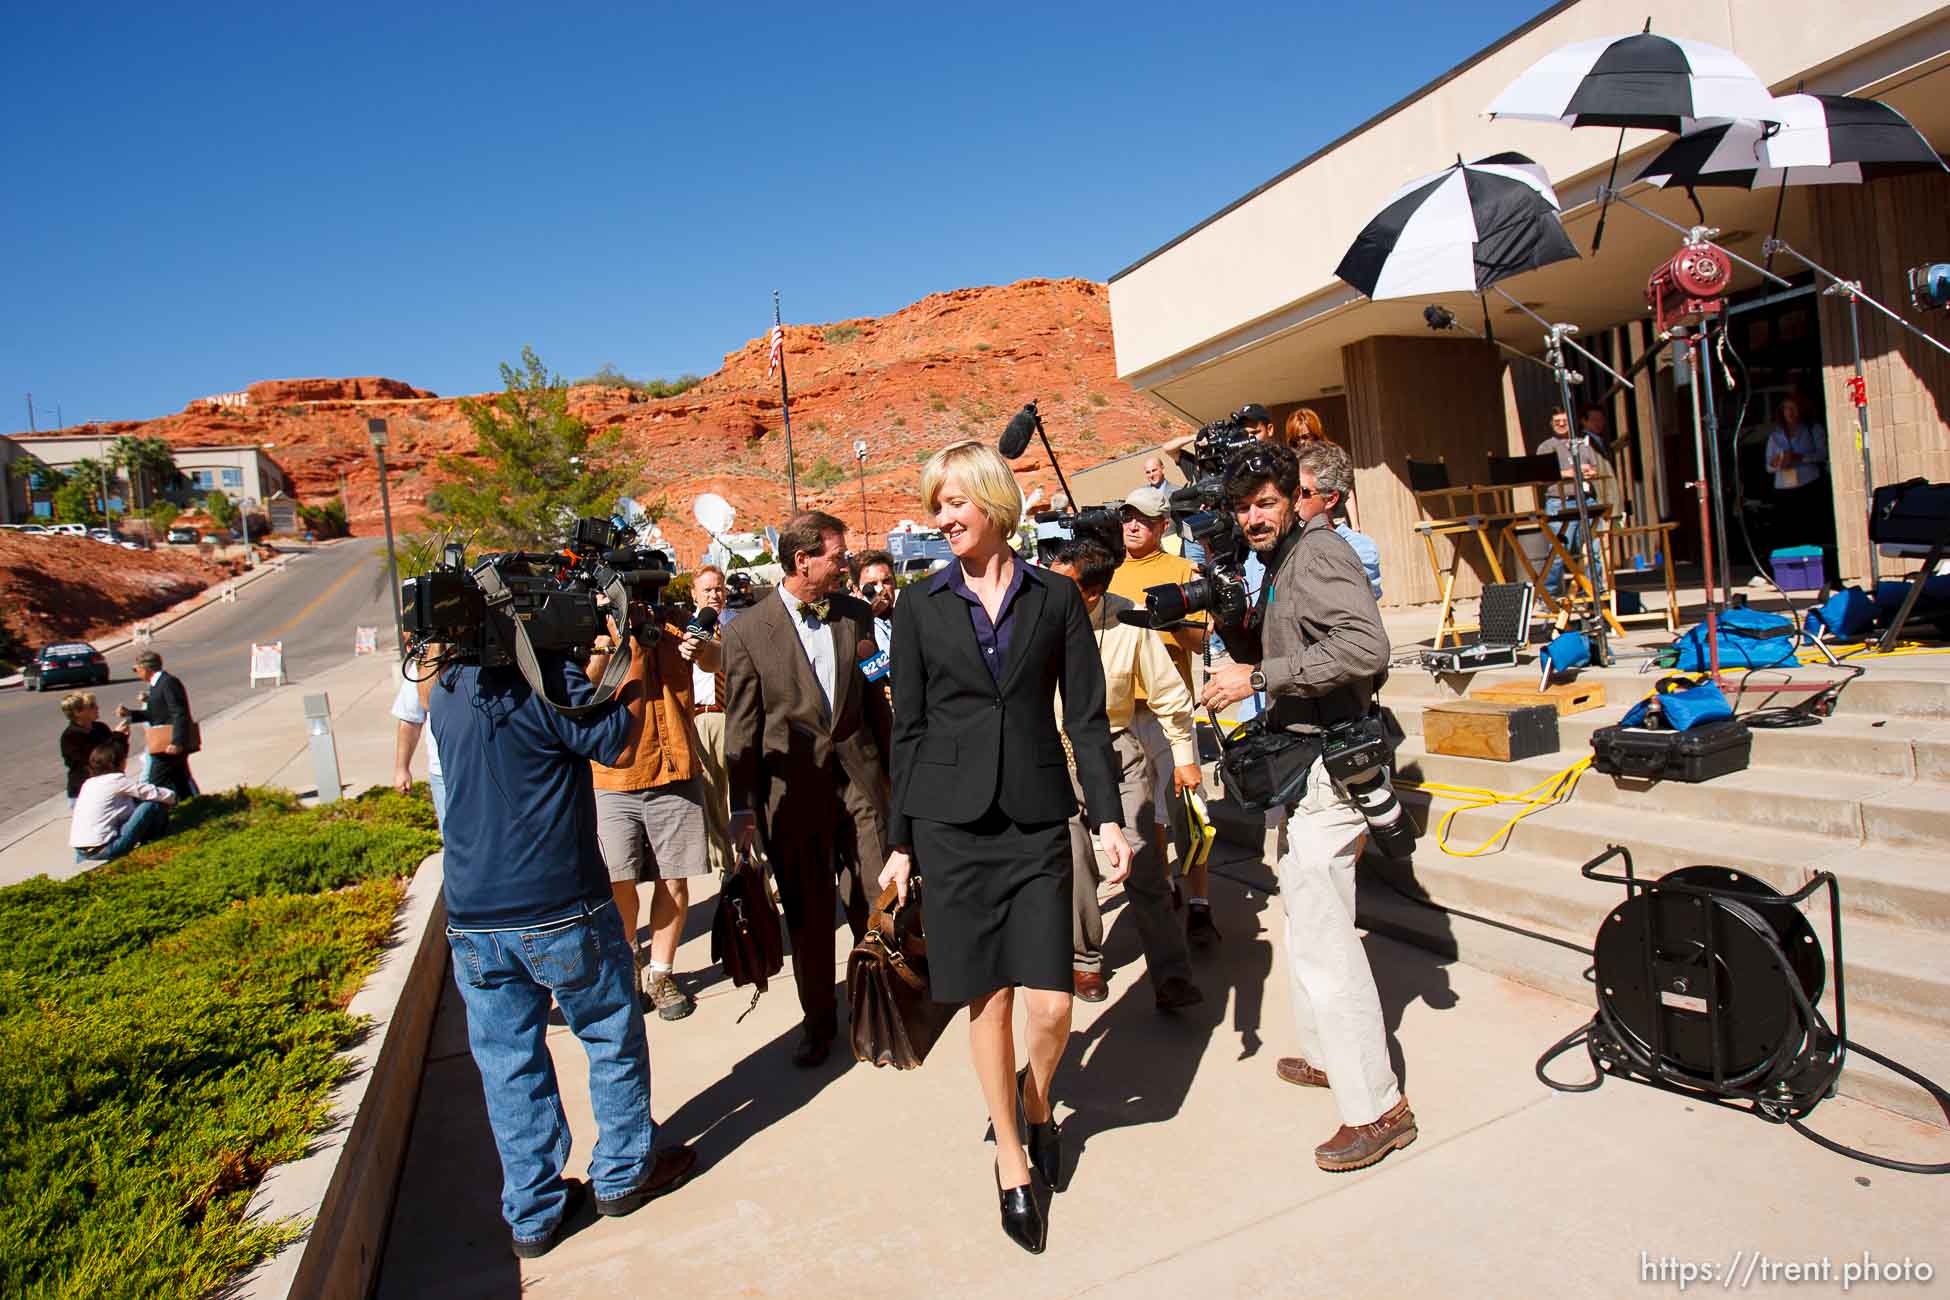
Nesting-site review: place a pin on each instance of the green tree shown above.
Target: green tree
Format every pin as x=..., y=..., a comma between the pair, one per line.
x=97, y=478
x=327, y=520
x=162, y=515
x=222, y=510
x=74, y=502
x=538, y=467
x=148, y=463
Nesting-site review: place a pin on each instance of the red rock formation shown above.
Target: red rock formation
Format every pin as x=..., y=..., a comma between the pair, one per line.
x=953, y=365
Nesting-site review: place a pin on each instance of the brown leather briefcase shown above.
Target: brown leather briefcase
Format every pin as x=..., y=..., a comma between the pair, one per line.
x=895, y=1020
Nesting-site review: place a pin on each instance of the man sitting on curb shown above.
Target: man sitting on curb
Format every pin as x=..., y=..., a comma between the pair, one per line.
x=113, y=814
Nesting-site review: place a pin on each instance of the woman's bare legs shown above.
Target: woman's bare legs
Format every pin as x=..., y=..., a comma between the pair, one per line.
x=992, y=1042
x=1048, y=1034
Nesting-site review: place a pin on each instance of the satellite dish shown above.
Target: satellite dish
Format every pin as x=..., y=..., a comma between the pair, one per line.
x=713, y=513
x=628, y=511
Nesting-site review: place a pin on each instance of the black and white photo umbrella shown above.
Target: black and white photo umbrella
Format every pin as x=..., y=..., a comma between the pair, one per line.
x=1663, y=83
x=1459, y=231
x=1821, y=140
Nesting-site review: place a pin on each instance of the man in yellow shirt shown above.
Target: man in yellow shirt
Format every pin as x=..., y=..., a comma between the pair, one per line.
x=1146, y=517
x=1134, y=659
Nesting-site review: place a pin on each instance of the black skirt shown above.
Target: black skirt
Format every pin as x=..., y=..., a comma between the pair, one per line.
x=997, y=910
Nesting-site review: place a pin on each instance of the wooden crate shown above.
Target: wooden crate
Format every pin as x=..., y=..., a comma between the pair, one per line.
x=1476, y=729
x=1566, y=697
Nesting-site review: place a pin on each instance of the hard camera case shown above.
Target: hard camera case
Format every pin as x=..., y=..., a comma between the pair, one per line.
x=1710, y=750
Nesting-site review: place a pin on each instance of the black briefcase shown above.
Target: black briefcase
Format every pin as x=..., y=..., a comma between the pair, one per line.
x=1706, y=751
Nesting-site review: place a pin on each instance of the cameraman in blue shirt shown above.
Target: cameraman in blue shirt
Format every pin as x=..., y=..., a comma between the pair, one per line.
x=530, y=919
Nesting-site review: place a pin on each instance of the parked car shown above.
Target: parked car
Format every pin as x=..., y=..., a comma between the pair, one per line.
x=182, y=536
x=66, y=663
x=71, y=530
x=211, y=539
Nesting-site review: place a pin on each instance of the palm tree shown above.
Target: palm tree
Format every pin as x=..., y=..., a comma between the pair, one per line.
x=146, y=461
x=94, y=473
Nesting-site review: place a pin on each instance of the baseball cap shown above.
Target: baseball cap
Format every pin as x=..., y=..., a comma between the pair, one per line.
x=1149, y=501
x=1254, y=413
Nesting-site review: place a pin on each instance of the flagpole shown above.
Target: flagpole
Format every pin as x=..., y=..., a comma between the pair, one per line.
x=785, y=404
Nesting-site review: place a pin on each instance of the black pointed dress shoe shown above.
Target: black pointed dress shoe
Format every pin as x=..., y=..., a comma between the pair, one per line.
x=1044, y=1140
x=1022, y=1214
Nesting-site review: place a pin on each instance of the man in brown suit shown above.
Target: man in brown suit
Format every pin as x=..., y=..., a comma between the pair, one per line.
x=806, y=744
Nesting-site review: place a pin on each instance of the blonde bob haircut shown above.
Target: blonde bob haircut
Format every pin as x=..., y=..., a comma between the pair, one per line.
x=982, y=474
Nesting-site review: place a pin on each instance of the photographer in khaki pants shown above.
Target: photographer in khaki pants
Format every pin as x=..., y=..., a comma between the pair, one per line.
x=1314, y=644
x=1134, y=659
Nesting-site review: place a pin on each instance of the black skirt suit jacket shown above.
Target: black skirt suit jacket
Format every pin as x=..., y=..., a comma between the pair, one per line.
x=980, y=787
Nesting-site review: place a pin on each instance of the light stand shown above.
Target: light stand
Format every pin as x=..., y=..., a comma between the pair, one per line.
x=1557, y=337
x=1858, y=386
x=376, y=429
x=860, y=455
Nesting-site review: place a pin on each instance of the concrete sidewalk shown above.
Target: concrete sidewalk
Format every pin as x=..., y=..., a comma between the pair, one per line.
x=1192, y=1164
x=259, y=741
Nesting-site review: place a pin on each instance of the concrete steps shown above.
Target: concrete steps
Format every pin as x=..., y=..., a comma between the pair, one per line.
x=1901, y=886
x=1898, y=969
x=1834, y=803
x=1553, y=961
x=1903, y=748
x=1865, y=795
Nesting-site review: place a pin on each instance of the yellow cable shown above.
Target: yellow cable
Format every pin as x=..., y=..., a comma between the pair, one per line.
x=1550, y=791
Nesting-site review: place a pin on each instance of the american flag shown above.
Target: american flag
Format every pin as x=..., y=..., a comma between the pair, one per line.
x=777, y=350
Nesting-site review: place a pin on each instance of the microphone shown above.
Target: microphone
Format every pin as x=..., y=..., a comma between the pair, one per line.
x=1015, y=438
x=702, y=624
x=1439, y=318
x=873, y=660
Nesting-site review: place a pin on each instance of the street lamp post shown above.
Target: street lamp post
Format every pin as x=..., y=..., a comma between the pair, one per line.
x=860, y=455
x=377, y=430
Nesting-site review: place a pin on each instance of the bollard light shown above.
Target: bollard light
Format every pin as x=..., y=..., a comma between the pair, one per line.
x=324, y=749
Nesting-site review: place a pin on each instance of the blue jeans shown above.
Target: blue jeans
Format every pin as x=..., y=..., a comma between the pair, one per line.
x=506, y=979
x=149, y=820
x=1569, y=534
x=437, y=785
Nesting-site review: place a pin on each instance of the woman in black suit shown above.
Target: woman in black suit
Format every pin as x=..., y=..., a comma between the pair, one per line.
x=981, y=799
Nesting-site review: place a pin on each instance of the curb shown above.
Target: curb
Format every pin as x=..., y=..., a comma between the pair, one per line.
x=343, y=1189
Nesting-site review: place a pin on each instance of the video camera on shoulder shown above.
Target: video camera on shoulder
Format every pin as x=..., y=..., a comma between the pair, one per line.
x=1204, y=517
x=1099, y=524
x=513, y=601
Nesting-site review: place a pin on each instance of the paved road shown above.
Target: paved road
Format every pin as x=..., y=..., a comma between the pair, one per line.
x=312, y=607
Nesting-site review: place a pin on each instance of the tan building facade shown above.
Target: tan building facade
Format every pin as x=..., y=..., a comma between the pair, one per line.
x=242, y=473
x=1246, y=307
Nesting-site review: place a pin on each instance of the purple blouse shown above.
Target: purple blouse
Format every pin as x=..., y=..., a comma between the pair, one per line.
x=992, y=637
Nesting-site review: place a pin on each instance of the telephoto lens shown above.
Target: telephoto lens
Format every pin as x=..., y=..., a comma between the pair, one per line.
x=1394, y=833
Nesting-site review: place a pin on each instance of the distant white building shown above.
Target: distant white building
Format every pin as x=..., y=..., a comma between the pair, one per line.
x=243, y=472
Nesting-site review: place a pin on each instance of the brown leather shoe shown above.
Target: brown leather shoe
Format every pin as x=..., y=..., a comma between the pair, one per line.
x=811, y=1052
x=666, y=1174
x=1360, y=1145
x=1294, y=1069
x=1091, y=987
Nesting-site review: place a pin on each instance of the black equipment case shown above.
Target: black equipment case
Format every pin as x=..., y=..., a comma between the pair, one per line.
x=1700, y=754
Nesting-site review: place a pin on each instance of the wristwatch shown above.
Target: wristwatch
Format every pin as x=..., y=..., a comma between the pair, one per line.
x=1258, y=681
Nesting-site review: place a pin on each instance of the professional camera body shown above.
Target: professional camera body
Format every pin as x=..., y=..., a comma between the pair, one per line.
x=1204, y=516
x=742, y=591
x=1099, y=524
x=549, y=600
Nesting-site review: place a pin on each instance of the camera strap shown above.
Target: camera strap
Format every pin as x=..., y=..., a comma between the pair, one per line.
x=498, y=596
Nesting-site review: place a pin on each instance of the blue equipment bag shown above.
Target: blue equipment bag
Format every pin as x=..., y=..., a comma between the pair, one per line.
x=1845, y=615
x=1748, y=639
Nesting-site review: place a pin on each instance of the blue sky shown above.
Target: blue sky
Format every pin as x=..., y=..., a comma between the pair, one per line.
x=199, y=199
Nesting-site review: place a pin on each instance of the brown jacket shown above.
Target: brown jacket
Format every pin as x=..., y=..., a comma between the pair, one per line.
x=780, y=745
x=662, y=745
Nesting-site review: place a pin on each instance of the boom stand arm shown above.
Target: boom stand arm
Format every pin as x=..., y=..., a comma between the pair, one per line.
x=1689, y=344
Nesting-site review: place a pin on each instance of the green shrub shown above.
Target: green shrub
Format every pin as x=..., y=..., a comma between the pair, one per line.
x=840, y=335
x=170, y=1026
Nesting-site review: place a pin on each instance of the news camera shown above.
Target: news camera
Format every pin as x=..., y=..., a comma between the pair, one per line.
x=742, y=591
x=1205, y=519
x=513, y=604
x=1099, y=524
